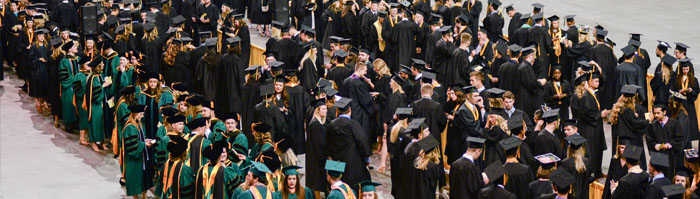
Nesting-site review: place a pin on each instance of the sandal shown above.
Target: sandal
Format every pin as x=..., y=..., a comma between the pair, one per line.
x=95, y=148
x=381, y=169
x=104, y=146
x=84, y=143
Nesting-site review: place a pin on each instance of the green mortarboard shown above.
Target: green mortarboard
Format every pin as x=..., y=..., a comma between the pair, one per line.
x=368, y=186
x=510, y=143
x=632, y=152
x=575, y=140
x=291, y=170
x=259, y=169
x=335, y=168
x=547, y=161
x=658, y=159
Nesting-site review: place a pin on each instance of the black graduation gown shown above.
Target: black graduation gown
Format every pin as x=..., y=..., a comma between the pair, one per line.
x=346, y=142
x=368, y=19
x=309, y=74
x=540, y=187
x=407, y=172
x=338, y=74
x=473, y=10
x=465, y=179
x=38, y=83
x=539, y=35
x=494, y=25
x=519, y=178
x=457, y=71
x=660, y=89
x=230, y=78
x=432, y=111
x=54, y=90
x=404, y=34
x=654, y=189
x=671, y=133
x=429, y=50
x=506, y=73
x=361, y=105
x=154, y=52
x=286, y=53
x=547, y=142
x=495, y=191
x=492, y=150
x=615, y=172
x=396, y=149
x=642, y=59
x=443, y=61
x=206, y=77
x=465, y=125
x=425, y=182
x=244, y=34
x=250, y=96
x=631, y=126
x=298, y=101
x=580, y=187
x=628, y=73
x=689, y=105
x=520, y=36
x=514, y=24
x=315, y=155
x=528, y=95
x=333, y=28
x=632, y=185
x=563, y=87
x=385, y=107
x=212, y=13
x=395, y=100
x=351, y=30
x=23, y=68
x=603, y=55
x=590, y=126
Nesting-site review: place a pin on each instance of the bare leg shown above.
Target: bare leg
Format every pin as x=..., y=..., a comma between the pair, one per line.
x=383, y=155
x=38, y=105
x=55, y=121
x=83, y=140
x=94, y=147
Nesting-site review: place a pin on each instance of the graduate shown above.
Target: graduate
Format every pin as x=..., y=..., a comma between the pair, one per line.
x=39, y=58
x=517, y=175
x=68, y=68
x=547, y=141
x=230, y=76
x=495, y=176
x=455, y=72
x=662, y=81
x=54, y=83
x=665, y=135
x=214, y=179
x=347, y=142
x=398, y=141
x=616, y=169
x=493, y=21
x=538, y=35
x=628, y=73
x=509, y=69
x=197, y=142
x=603, y=55
x=153, y=95
x=176, y=175
x=79, y=89
x=683, y=178
x=635, y=183
x=315, y=145
x=687, y=85
x=495, y=130
x=309, y=66
x=250, y=95
x=263, y=140
x=528, y=94
x=339, y=189
x=562, y=182
x=465, y=176
x=543, y=184
x=271, y=110
x=95, y=99
x=658, y=163
x=625, y=121
x=579, y=166
x=442, y=57
x=426, y=107
x=232, y=134
x=206, y=74
x=137, y=161
x=291, y=187
x=339, y=72
x=585, y=107
x=557, y=92
x=404, y=34
x=428, y=174
x=297, y=101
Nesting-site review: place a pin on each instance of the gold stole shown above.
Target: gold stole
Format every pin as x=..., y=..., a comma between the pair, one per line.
x=378, y=26
x=594, y=97
x=208, y=180
x=168, y=181
x=557, y=89
x=475, y=113
x=684, y=85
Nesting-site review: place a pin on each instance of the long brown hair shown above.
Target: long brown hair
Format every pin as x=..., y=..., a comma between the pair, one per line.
x=301, y=193
x=679, y=77
x=170, y=54
x=619, y=106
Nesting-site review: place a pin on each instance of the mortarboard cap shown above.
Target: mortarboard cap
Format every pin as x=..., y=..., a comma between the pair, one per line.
x=634, y=43
x=291, y=170
x=446, y=30
x=527, y=51
x=681, y=46
x=569, y=122
x=629, y=90
x=635, y=36
x=428, y=143
x=335, y=168
x=501, y=47
x=233, y=40
x=137, y=108
x=56, y=42
x=335, y=39
x=41, y=31
x=508, y=7
x=267, y=89
x=515, y=121
x=601, y=33
x=330, y=91
x=510, y=143
x=259, y=169
x=176, y=119
x=276, y=65
x=691, y=154
x=403, y=113
x=195, y=100
x=673, y=190
x=547, y=161
x=628, y=50
x=177, y=146
x=428, y=77
x=537, y=17
x=570, y=18
x=562, y=178
x=576, y=140
x=668, y=60
x=340, y=54
x=196, y=123
x=494, y=171
x=551, y=115
x=178, y=20
x=463, y=19
x=515, y=48
x=368, y=186
x=67, y=46
x=149, y=26
x=343, y=103
x=683, y=171
x=658, y=159
x=382, y=13
x=553, y=18
x=525, y=17
x=475, y=142
x=537, y=5
x=210, y=42
x=495, y=92
x=318, y=102
x=261, y=128
x=469, y=89
x=632, y=152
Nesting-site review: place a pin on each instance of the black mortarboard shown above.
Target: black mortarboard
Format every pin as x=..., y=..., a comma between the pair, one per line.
x=308, y=31
x=261, y=127
x=237, y=16
x=83, y=60
x=668, y=60
x=428, y=143
x=318, y=102
x=403, y=113
x=41, y=31
x=658, y=159
x=323, y=83
x=553, y=18
x=576, y=140
x=290, y=72
x=636, y=36
x=570, y=18
x=632, y=152
x=404, y=69
x=495, y=92
x=252, y=69
x=267, y=89
x=168, y=111
x=195, y=100
x=446, y=30
x=681, y=46
x=205, y=34
x=494, y=171
x=137, y=108
x=634, y=43
x=233, y=40
x=393, y=5
x=527, y=51
x=330, y=91
x=562, y=178
x=537, y=16
x=600, y=33
x=508, y=7
x=683, y=171
x=685, y=62
x=176, y=119
x=514, y=48
x=569, y=122
x=673, y=190
x=629, y=90
x=428, y=77
x=149, y=26
x=382, y=13
x=55, y=42
x=208, y=104
x=628, y=50
x=469, y=89
x=537, y=5
x=335, y=39
x=120, y=29
x=177, y=20
x=515, y=121
x=547, y=161
x=496, y=3
x=463, y=19
x=177, y=146
x=416, y=123
x=525, y=17
x=551, y=115
x=456, y=87
x=276, y=65
x=355, y=50
x=340, y=53
x=510, y=143
x=475, y=142
x=343, y=104
x=210, y=42
x=277, y=24
x=398, y=79
x=213, y=151
x=67, y=46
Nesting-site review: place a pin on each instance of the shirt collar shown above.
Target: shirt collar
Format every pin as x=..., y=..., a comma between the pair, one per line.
x=418, y=76
x=661, y=175
x=344, y=115
x=338, y=183
x=664, y=121
x=481, y=89
x=468, y=157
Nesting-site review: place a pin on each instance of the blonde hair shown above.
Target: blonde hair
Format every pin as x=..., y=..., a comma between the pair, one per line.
x=501, y=123
x=577, y=155
x=310, y=56
x=666, y=73
x=423, y=159
x=381, y=67
x=619, y=106
x=318, y=117
x=396, y=129
x=150, y=36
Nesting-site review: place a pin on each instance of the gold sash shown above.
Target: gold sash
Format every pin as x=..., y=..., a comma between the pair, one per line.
x=382, y=44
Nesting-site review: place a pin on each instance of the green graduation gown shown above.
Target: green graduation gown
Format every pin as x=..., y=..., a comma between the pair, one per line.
x=136, y=160
x=178, y=179
x=80, y=87
x=258, y=190
x=195, y=145
x=216, y=182
x=95, y=97
x=339, y=192
x=67, y=69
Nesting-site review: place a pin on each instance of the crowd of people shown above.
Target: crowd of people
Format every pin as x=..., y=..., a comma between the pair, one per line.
x=457, y=107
